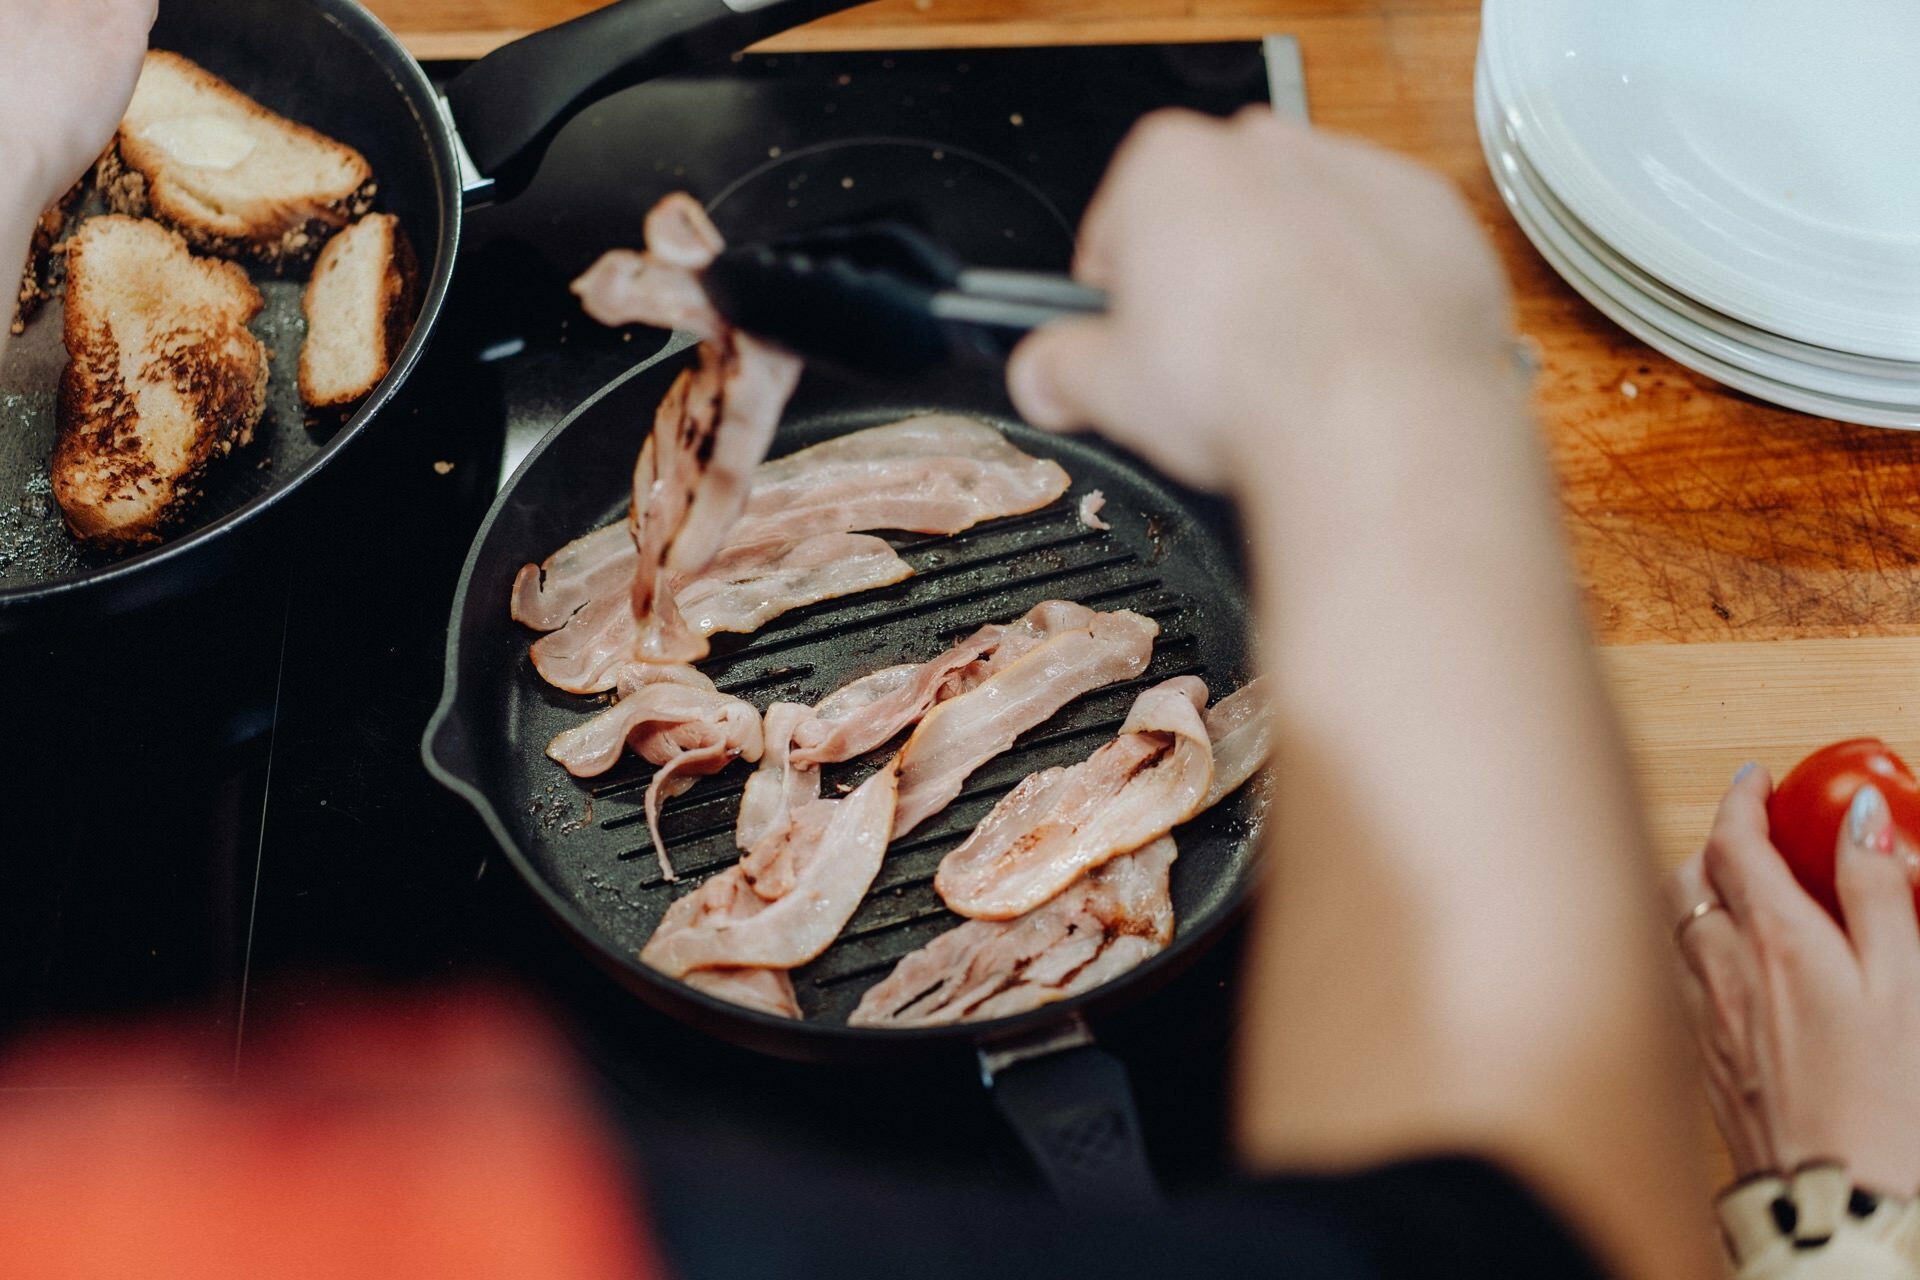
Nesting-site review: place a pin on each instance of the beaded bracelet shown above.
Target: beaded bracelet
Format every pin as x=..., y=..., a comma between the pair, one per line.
x=1816, y=1223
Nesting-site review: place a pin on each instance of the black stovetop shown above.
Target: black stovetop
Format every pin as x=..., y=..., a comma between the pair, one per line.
x=218, y=810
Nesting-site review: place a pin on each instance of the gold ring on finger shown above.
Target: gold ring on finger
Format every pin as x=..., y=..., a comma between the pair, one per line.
x=1699, y=912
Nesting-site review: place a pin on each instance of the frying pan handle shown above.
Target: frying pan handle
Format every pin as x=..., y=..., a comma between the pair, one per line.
x=507, y=106
x=1071, y=1104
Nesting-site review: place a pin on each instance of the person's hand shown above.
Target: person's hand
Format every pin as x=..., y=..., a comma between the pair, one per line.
x=1258, y=273
x=67, y=71
x=1811, y=1036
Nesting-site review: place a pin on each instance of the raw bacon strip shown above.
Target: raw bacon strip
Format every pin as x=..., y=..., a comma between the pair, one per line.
x=650, y=695
x=743, y=590
x=545, y=595
x=691, y=480
x=923, y=475
x=840, y=726
x=774, y=811
x=711, y=430
x=1115, y=917
x=767, y=990
x=748, y=587
x=586, y=655
x=661, y=286
x=933, y=474
x=771, y=807
x=856, y=718
x=1060, y=823
x=863, y=715
x=753, y=396
x=1241, y=728
x=1109, y=921
x=724, y=923
x=963, y=733
x=674, y=717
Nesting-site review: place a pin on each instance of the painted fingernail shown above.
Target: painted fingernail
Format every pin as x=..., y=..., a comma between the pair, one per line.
x=1869, y=825
x=1741, y=774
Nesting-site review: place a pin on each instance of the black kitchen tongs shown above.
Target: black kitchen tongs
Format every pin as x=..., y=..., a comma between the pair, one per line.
x=885, y=299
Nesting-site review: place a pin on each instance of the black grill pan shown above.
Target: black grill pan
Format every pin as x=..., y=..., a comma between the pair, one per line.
x=582, y=845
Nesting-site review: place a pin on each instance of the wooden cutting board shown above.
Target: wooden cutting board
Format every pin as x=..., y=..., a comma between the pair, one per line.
x=1753, y=575
x=1694, y=713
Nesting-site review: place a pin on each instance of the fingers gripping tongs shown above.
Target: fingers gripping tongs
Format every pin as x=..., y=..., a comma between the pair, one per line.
x=885, y=299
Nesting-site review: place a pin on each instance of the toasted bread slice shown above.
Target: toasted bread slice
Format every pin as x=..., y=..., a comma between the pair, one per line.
x=231, y=176
x=162, y=377
x=359, y=306
x=43, y=272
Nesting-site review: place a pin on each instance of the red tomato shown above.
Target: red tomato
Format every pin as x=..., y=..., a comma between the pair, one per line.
x=1807, y=808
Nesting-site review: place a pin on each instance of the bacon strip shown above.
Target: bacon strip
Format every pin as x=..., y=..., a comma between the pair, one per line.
x=1083, y=651
x=781, y=828
x=1060, y=823
x=1240, y=726
x=767, y=990
x=1102, y=925
x=674, y=717
x=858, y=717
x=937, y=473
x=771, y=807
x=743, y=590
x=725, y=923
x=661, y=286
x=711, y=430
x=1114, y=918
x=923, y=475
x=545, y=595
x=691, y=481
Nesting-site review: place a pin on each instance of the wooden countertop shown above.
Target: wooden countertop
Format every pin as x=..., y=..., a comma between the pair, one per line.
x=1754, y=574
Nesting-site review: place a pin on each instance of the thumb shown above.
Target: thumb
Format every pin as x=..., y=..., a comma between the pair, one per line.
x=1059, y=376
x=1871, y=880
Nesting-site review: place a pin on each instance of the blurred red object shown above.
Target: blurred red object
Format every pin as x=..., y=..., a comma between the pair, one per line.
x=422, y=1137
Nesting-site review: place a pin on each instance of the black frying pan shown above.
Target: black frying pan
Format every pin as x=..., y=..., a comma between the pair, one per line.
x=585, y=852
x=330, y=64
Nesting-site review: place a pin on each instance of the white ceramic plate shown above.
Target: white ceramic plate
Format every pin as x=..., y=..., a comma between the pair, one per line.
x=1870, y=368
x=1762, y=156
x=1847, y=409
x=1776, y=358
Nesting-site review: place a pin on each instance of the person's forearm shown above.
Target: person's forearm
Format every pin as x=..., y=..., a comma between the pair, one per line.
x=1457, y=945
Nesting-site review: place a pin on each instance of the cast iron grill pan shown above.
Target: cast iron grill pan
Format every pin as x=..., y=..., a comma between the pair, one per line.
x=583, y=844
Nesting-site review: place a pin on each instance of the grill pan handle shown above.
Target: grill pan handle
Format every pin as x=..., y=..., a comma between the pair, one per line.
x=508, y=106
x=1072, y=1106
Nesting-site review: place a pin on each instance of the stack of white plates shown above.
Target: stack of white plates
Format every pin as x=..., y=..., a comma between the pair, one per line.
x=1736, y=182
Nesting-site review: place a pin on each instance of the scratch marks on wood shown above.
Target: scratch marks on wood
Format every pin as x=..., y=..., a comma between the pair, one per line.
x=1696, y=514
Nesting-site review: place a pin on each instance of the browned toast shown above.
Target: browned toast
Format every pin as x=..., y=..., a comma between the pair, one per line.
x=43, y=271
x=359, y=306
x=162, y=378
x=234, y=178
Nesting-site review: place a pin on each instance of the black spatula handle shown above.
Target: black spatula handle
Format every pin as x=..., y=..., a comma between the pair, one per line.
x=508, y=105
